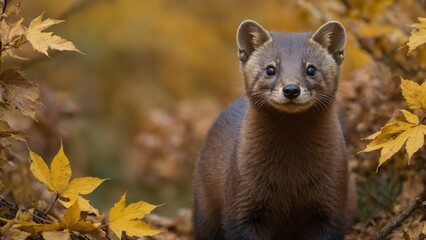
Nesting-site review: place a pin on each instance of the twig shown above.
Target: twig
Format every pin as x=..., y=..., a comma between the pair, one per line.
x=53, y=204
x=397, y=221
x=12, y=207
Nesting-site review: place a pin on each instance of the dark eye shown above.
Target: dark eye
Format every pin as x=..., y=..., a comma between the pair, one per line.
x=311, y=71
x=270, y=71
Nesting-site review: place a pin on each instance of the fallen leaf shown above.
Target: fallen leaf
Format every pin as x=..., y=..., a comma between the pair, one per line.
x=56, y=235
x=73, y=222
x=42, y=41
x=16, y=234
x=126, y=219
x=72, y=216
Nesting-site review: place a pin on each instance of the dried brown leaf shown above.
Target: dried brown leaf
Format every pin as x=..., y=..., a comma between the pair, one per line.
x=18, y=93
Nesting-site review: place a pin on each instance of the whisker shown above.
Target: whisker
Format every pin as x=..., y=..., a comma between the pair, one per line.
x=324, y=101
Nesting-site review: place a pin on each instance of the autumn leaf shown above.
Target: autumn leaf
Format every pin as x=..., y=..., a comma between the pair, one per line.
x=418, y=37
x=414, y=94
x=73, y=222
x=16, y=234
x=57, y=180
x=11, y=26
x=127, y=219
x=42, y=41
x=7, y=133
x=394, y=135
x=18, y=93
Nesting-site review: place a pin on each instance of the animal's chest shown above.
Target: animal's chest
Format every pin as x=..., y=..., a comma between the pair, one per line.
x=287, y=193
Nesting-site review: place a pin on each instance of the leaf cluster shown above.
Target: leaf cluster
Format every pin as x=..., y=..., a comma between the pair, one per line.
x=70, y=215
x=405, y=129
x=17, y=92
x=80, y=218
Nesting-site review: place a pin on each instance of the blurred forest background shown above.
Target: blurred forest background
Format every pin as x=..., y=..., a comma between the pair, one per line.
x=155, y=73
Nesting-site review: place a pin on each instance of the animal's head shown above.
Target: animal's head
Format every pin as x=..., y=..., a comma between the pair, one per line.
x=291, y=72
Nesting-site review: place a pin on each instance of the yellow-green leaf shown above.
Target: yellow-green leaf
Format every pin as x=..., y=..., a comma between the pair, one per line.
x=125, y=219
x=61, y=171
x=418, y=37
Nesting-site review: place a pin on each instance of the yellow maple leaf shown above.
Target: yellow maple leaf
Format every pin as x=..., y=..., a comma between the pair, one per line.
x=418, y=37
x=57, y=180
x=393, y=136
x=414, y=94
x=42, y=41
x=73, y=222
x=126, y=219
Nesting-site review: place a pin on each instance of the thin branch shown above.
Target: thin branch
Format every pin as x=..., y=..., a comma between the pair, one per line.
x=12, y=207
x=53, y=204
x=397, y=221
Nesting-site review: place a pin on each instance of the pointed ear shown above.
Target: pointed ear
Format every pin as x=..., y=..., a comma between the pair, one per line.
x=332, y=36
x=250, y=36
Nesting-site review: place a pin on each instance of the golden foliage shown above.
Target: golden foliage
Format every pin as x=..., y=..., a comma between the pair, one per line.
x=57, y=180
x=409, y=131
x=414, y=94
x=394, y=135
x=42, y=41
x=127, y=219
x=121, y=219
x=418, y=37
x=80, y=218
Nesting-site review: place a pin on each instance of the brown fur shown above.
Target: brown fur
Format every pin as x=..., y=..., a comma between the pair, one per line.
x=274, y=168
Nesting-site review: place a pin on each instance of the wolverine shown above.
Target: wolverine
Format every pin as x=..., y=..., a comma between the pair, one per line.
x=273, y=164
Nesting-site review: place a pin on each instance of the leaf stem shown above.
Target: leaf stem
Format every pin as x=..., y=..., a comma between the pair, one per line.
x=53, y=204
x=422, y=119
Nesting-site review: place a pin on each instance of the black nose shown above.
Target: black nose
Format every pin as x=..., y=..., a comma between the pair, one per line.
x=291, y=91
